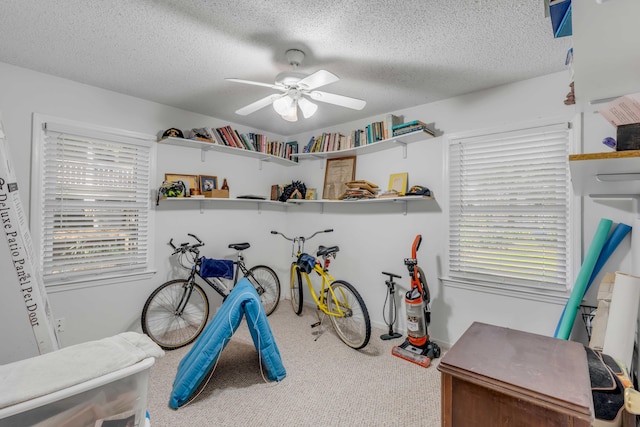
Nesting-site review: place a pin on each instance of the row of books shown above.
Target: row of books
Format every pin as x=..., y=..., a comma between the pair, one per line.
x=250, y=141
x=413, y=126
x=391, y=126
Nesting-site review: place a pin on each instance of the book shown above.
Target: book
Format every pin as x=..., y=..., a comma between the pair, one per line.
x=390, y=120
x=405, y=131
x=408, y=124
x=235, y=137
x=223, y=137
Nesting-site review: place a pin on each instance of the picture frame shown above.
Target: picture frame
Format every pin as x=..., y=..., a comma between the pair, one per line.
x=338, y=172
x=190, y=181
x=398, y=182
x=208, y=183
x=311, y=194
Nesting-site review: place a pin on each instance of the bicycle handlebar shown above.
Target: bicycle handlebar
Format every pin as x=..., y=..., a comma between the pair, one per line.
x=184, y=247
x=293, y=239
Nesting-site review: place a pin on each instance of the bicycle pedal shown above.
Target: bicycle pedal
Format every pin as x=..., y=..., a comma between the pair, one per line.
x=315, y=325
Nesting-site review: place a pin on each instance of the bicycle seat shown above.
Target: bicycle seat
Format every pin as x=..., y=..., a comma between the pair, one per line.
x=240, y=246
x=326, y=251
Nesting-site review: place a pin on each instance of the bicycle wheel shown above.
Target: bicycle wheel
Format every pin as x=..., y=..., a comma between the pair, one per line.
x=353, y=326
x=266, y=282
x=161, y=320
x=296, y=289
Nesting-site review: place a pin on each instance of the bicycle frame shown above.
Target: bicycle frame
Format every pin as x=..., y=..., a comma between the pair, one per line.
x=215, y=282
x=319, y=298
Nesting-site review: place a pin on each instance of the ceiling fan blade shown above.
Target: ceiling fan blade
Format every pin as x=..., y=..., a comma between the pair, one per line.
x=343, y=101
x=317, y=79
x=255, y=106
x=249, y=82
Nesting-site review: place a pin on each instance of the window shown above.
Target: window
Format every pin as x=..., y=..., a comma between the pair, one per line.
x=510, y=208
x=91, y=202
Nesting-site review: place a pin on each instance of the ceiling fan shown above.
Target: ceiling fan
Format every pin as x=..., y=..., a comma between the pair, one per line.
x=295, y=88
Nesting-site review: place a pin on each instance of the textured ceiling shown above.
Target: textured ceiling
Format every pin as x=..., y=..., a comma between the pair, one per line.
x=393, y=54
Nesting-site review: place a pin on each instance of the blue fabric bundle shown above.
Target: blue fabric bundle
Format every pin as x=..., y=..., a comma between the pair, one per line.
x=216, y=268
x=197, y=363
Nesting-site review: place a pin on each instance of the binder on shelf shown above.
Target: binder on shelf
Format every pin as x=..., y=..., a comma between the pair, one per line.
x=560, y=13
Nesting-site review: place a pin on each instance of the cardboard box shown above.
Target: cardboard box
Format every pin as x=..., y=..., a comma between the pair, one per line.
x=216, y=194
x=24, y=274
x=628, y=137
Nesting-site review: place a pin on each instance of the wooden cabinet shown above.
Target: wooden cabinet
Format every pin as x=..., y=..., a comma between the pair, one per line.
x=494, y=376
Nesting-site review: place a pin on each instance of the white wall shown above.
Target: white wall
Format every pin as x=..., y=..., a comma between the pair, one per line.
x=372, y=239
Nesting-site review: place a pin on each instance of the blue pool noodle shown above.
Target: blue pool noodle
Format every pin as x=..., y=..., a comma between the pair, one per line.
x=571, y=308
x=614, y=239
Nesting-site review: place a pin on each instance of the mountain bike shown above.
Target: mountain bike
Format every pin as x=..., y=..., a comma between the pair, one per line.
x=337, y=299
x=177, y=311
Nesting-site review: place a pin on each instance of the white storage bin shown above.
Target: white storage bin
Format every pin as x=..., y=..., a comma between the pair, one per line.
x=117, y=399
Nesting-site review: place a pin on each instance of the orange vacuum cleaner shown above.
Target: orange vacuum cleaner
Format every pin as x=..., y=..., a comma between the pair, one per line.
x=417, y=348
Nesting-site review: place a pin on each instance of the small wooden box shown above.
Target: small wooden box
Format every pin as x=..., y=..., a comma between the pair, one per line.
x=216, y=194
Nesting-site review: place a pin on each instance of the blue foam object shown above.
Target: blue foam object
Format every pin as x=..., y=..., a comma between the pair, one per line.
x=198, y=362
x=563, y=330
x=614, y=239
x=561, y=21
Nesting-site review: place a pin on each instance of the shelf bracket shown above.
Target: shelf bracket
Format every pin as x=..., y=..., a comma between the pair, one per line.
x=202, y=154
x=201, y=206
x=404, y=147
x=404, y=206
x=259, y=208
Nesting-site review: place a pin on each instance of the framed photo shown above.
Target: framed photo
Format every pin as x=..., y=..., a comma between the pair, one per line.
x=338, y=172
x=398, y=182
x=190, y=181
x=311, y=194
x=208, y=183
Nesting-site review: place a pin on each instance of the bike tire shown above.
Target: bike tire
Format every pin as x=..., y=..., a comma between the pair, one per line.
x=268, y=286
x=296, y=289
x=353, y=328
x=162, y=323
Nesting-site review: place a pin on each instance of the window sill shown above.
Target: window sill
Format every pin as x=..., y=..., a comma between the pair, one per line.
x=551, y=296
x=74, y=284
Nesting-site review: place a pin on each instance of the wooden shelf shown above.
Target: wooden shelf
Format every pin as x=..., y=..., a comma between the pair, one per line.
x=612, y=174
x=401, y=140
x=209, y=146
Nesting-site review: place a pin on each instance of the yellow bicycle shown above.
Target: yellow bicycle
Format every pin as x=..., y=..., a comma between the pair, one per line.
x=337, y=299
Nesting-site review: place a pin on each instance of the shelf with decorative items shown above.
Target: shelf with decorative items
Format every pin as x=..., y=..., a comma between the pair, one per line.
x=601, y=175
x=205, y=146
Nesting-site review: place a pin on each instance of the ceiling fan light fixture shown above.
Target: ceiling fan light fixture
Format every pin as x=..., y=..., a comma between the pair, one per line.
x=307, y=107
x=284, y=105
x=292, y=116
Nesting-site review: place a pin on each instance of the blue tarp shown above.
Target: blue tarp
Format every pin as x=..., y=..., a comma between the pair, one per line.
x=197, y=363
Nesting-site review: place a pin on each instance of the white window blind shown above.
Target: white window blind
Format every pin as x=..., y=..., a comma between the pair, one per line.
x=95, y=203
x=509, y=207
